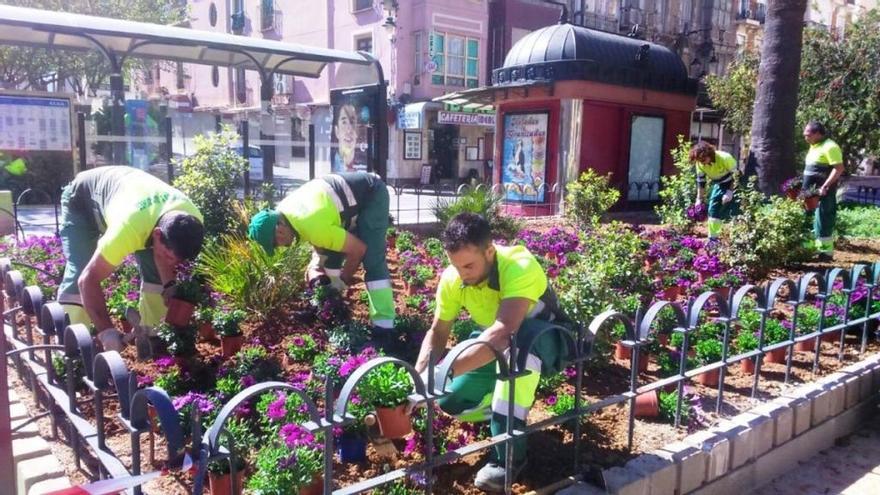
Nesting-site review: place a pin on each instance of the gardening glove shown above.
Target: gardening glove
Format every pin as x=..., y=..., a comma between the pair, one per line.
x=338, y=284
x=319, y=280
x=728, y=196
x=111, y=339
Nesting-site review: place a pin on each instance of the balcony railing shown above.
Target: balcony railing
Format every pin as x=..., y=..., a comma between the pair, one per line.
x=752, y=12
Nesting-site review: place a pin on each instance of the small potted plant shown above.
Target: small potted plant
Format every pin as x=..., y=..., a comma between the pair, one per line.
x=391, y=238
x=416, y=277
x=746, y=341
x=647, y=405
x=220, y=476
x=187, y=293
x=808, y=322
x=624, y=353
x=669, y=404
x=301, y=348
x=179, y=341
x=792, y=187
x=810, y=197
x=288, y=468
x=708, y=352
x=775, y=333
x=387, y=388
x=671, y=289
x=204, y=317
x=227, y=324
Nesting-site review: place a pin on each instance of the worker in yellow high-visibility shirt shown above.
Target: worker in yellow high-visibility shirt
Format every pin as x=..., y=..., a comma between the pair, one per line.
x=720, y=168
x=824, y=166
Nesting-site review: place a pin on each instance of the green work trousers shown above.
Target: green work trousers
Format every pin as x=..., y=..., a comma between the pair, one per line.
x=825, y=216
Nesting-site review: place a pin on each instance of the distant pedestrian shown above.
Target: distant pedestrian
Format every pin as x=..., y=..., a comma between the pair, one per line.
x=824, y=166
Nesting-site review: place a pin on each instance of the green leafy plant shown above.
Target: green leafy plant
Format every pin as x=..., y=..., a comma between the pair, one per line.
x=678, y=190
x=668, y=405
x=858, y=221
x=746, y=341
x=227, y=322
x=482, y=202
x=735, y=92
x=548, y=384
x=302, y=347
x=419, y=275
x=406, y=241
x=560, y=404
x=179, y=341
x=434, y=248
x=774, y=332
x=348, y=337
x=208, y=178
x=282, y=470
x=387, y=385
x=808, y=319
x=589, y=198
x=256, y=362
x=250, y=279
x=708, y=351
x=171, y=381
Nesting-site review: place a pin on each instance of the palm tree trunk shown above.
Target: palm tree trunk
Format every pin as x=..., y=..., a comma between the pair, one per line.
x=776, y=99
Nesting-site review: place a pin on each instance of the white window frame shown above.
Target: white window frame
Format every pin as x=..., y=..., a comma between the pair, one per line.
x=362, y=36
x=445, y=74
x=355, y=10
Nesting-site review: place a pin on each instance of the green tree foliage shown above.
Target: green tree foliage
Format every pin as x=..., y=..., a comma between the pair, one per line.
x=678, y=191
x=209, y=179
x=34, y=68
x=589, y=198
x=735, y=92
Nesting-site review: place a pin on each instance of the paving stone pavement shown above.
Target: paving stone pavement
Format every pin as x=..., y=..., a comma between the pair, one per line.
x=852, y=467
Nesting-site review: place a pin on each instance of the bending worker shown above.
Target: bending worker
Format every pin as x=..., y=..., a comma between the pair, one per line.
x=824, y=166
x=719, y=167
x=505, y=291
x=108, y=213
x=345, y=217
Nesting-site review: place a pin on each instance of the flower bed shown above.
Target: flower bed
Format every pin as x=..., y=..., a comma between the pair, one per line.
x=322, y=335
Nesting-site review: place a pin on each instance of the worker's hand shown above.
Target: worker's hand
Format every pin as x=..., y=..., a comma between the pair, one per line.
x=698, y=202
x=111, y=340
x=823, y=190
x=728, y=197
x=168, y=292
x=314, y=271
x=338, y=284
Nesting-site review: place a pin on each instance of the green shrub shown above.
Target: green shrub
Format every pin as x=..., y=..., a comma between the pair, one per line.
x=708, y=351
x=678, y=191
x=483, y=202
x=746, y=341
x=179, y=341
x=548, y=384
x=774, y=332
x=387, y=385
x=589, y=198
x=668, y=404
x=282, y=470
x=208, y=178
x=302, y=347
x=348, y=337
x=250, y=279
x=227, y=322
x=766, y=234
x=560, y=404
x=434, y=248
x=463, y=328
x=858, y=221
x=406, y=241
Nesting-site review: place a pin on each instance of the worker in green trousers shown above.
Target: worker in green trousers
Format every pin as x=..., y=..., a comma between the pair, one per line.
x=823, y=168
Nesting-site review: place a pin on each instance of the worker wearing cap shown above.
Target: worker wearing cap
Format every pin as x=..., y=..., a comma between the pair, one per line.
x=345, y=218
x=824, y=166
x=108, y=213
x=720, y=168
x=505, y=291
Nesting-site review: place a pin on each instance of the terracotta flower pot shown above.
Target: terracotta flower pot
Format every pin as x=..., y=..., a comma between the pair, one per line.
x=724, y=292
x=221, y=484
x=747, y=366
x=206, y=331
x=805, y=345
x=622, y=352
x=671, y=293
x=832, y=337
x=709, y=378
x=393, y=421
x=231, y=345
x=663, y=339
x=316, y=487
x=179, y=313
x=126, y=326
x=154, y=419
x=811, y=203
x=647, y=405
x=792, y=193
x=776, y=356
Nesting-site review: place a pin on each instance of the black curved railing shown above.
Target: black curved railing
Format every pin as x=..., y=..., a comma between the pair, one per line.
x=108, y=378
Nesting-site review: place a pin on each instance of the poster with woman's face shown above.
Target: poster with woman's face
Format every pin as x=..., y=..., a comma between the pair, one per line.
x=353, y=113
x=524, y=161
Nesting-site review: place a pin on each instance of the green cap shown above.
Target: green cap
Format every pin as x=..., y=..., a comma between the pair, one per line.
x=262, y=229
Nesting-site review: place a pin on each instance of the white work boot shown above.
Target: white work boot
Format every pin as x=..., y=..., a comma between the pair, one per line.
x=490, y=478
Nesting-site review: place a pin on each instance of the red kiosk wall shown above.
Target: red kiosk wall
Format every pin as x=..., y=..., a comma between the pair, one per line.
x=552, y=107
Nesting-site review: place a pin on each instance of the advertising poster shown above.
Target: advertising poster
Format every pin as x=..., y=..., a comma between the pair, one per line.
x=354, y=114
x=524, y=159
x=139, y=124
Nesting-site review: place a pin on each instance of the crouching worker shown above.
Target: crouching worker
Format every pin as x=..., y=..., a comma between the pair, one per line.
x=720, y=168
x=108, y=213
x=345, y=218
x=505, y=291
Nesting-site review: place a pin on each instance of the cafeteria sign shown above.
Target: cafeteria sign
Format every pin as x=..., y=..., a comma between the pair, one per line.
x=458, y=118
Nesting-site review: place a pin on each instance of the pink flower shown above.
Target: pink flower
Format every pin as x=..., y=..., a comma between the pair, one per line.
x=277, y=410
x=296, y=436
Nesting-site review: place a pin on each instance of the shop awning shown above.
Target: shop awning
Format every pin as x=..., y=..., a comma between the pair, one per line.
x=483, y=98
x=120, y=38
x=412, y=115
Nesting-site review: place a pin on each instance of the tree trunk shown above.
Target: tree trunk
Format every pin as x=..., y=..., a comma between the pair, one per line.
x=776, y=98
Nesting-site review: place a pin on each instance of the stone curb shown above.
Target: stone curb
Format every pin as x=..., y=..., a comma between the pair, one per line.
x=756, y=446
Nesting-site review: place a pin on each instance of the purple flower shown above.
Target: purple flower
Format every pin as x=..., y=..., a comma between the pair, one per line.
x=570, y=372
x=247, y=380
x=164, y=362
x=296, y=436
x=552, y=400
x=277, y=410
x=287, y=462
x=299, y=341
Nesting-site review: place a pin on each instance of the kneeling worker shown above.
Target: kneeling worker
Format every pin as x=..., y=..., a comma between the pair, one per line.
x=345, y=218
x=108, y=213
x=505, y=291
